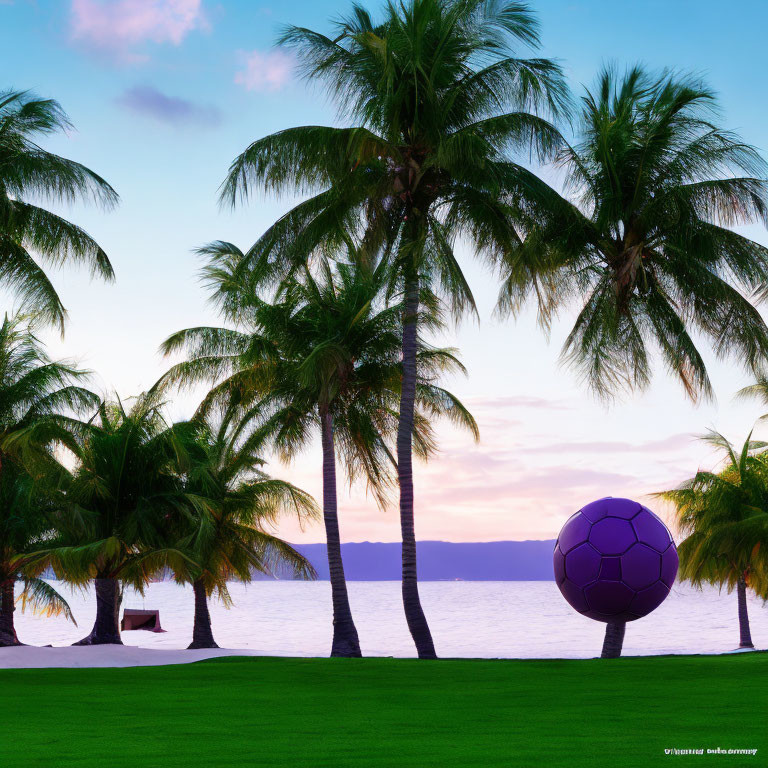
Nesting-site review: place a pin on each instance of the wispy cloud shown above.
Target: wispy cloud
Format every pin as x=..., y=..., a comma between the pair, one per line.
x=117, y=28
x=264, y=71
x=148, y=101
x=674, y=443
x=520, y=401
x=461, y=498
x=550, y=487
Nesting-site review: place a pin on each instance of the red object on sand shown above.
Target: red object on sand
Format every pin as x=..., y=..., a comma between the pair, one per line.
x=141, y=619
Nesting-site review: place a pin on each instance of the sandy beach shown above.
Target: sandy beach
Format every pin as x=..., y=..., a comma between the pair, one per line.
x=35, y=657
x=114, y=656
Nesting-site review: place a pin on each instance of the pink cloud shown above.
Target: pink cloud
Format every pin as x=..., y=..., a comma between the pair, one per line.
x=674, y=443
x=117, y=27
x=520, y=401
x=530, y=472
x=264, y=71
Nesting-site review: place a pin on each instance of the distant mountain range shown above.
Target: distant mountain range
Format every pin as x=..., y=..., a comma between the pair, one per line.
x=437, y=561
x=441, y=560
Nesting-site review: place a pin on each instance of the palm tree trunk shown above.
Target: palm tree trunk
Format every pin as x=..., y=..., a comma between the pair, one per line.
x=345, y=639
x=106, y=628
x=614, y=639
x=7, y=607
x=745, y=636
x=414, y=614
x=202, y=634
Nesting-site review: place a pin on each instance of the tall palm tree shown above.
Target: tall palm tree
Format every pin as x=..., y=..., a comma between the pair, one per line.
x=29, y=232
x=324, y=357
x=725, y=515
x=234, y=503
x=120, y=497
x=646, y=248
x=39, y=400
x=440, y=107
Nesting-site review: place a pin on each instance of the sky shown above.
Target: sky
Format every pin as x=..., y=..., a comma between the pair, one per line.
x=164, y=94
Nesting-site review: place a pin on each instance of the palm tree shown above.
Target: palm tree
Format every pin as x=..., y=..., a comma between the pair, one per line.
x=38, y=398
x=28, y=231
x=439, y=105
x=121, y=497
x=233, y=504
x=27, y=521
x=647, y=247
x=324, y=357
x=725, y=515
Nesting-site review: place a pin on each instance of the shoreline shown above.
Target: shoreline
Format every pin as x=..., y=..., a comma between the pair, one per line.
x=125, y=656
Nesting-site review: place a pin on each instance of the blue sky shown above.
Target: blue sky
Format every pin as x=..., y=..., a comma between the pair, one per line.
x=165, y=93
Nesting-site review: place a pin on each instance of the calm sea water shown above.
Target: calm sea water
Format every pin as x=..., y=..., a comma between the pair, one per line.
x=468, y=619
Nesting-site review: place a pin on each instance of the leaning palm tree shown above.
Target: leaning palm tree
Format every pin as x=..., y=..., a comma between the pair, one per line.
x=725, y=517
x=324, y=358
x=233, y=504
x=441, y=108
x=39, y=401
x=646, y=248
x=122, y=493
x=28, y=232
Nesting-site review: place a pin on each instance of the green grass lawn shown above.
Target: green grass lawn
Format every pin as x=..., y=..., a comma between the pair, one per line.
x=386, y=712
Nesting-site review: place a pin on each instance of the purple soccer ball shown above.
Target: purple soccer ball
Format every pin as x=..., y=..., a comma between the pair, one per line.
x=615, y=560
